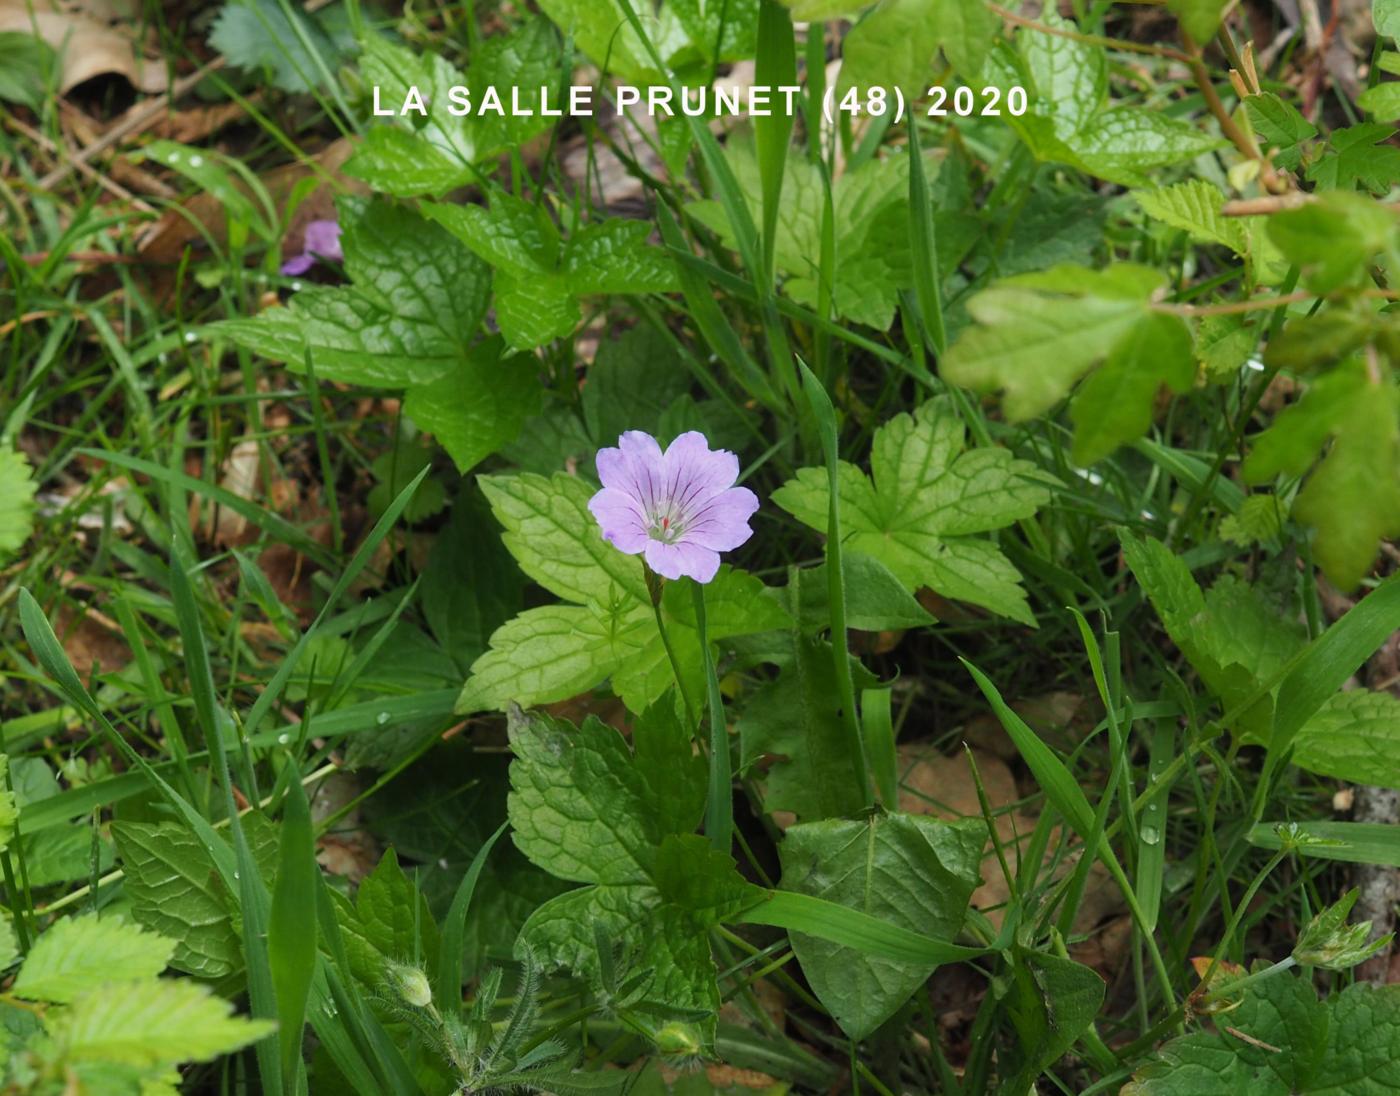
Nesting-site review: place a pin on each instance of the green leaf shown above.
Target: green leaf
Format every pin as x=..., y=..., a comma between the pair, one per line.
x=797, y=720
x=1352, y=497
x=584, y=808
x=1352, y=842
x=291, y=941
x=1382, y=102
x=78, y=954
x=480, y=406
x=1354, y=736
x=1069, y=121
x=919, y=511
x=26, y=61
x=1295, y=1045
x=1334, y=237
x=911, y=871
x=870, y=216
x=175, y=890
x=876, y=601
x=271, y=40
x=1327, y=941
x=17, y=489
x=1199, y=18
x=1195, y=207
x=1358, y=156
x=417, y=302
x=152, y=1023
x=1385, y=15
x=470, y=586
x=1052, y=1002
x=1279, y=127
x=539, y=276
x=1114, y=406
x=400, y=162
x=1233, y=638
x=555, y=539
x=1034, y=340
x=391, y=922
x=894, y=45
x=631, y=383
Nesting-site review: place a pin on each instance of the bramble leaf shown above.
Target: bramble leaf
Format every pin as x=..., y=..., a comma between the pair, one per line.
x=1358, y=156
x=926, y=500
x=78, y=954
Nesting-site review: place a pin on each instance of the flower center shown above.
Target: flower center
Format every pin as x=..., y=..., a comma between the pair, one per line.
x=666, y=526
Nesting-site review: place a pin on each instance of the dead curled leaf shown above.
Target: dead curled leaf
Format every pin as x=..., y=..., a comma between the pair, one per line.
x=91, y=37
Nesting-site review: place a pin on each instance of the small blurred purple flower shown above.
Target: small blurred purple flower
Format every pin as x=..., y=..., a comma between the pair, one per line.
x=679, y=508
x=321, y=241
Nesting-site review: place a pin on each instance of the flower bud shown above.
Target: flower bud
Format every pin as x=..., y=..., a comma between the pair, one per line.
x=411, y=984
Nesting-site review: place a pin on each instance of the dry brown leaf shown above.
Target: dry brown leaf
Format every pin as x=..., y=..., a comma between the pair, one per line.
x=92, y=643
x=91, y=37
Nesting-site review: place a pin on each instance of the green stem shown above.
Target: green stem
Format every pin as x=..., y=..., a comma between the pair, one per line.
x=654, y=589
x=719, y=808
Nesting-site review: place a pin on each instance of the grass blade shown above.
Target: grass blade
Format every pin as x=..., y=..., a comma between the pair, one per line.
x=878, y=724
x=291, y=935
x=776, y=66
x=449, y=974
x=925, y=248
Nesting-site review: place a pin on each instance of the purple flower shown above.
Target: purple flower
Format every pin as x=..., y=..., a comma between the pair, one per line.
x=321, y=240
x=679, y=508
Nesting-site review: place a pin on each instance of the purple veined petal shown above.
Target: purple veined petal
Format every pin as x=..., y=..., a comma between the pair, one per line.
x=323, y=238
x=635, y=467
x=621, y=519
x=694, y=472
x=682, y=558
x=297, y=264
x=722, y=523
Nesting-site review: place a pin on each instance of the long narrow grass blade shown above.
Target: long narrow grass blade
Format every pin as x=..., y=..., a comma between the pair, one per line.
x=291, y=935
x=719, y=800
x=925, y=249
x=775, y=67
x=852, y=928
x=825, y=416
x=878, y=724
x=449, y=974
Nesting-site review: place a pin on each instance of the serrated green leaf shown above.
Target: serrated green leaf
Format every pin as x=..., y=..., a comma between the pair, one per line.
x=1258, y=520
x=1280, y=128
x=272, y=40
x=894, y=45
x=1382, y=102
x=1352, y=496
x=1354, y=736
x=417, y=303
x=478, y=407
x=539, y=276
x=1195, y=207
x=1224, y=344
x=914, y=872
x=79, y=954
x=390, y=922
x=1069, y=121
x=1034, y=345
x=926, y=499
x=1295, y=1045
x=17, y=489
x=174, y=890
x=152, y=1023
x=1233, y=638
x=556, y=541
x=876, y=601
x=1333, y=237
x=1114, y=406
x=400, y=162
x=1358, y=156
x=585, y=809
